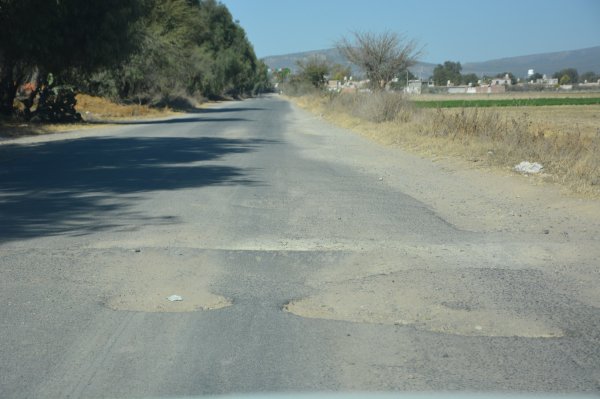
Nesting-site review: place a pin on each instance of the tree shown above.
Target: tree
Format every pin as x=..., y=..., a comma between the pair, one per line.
x=339, y=72
x=188, y=49
x=382, y=57
x=589, y=77
x=62, y=37
x=281, y=75
x=449, y=71
x=571, y=73
x=470, y=79
x=535, y=77
x=565, y=79
x=314, y=70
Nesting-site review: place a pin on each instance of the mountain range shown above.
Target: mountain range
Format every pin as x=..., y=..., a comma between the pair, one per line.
x=584, y=60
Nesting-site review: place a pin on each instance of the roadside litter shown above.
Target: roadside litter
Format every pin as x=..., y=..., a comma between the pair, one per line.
x=529, y=167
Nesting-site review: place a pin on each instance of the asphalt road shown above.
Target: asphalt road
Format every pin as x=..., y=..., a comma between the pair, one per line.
x=249, y=203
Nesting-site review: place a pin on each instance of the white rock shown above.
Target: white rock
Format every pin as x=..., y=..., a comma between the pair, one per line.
x=174, y=298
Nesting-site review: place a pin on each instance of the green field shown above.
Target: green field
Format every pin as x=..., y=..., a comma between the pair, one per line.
x=516, y=102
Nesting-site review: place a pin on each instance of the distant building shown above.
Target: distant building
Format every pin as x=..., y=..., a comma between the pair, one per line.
x=546, y=81
x=414, y=87
x=477, y=89
x=505, y=81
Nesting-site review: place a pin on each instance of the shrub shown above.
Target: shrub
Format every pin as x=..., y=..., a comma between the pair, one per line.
x=374, y=106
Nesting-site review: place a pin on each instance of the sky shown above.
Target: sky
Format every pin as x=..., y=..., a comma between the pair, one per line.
x=456, y=30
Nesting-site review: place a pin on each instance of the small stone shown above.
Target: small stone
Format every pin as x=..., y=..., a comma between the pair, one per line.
x=546, y=231
x=478, y=328
x=175, y=298
x=138, y=250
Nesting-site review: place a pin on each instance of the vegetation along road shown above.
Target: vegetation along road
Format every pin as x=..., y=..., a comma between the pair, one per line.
x=308, y=259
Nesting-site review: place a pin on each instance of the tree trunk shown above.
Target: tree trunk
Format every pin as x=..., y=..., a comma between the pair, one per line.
x=8, y=89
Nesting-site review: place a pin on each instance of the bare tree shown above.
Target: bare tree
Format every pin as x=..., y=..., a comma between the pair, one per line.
x=382, y=57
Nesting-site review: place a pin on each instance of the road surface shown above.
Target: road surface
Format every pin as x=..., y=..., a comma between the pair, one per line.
x=308, y=259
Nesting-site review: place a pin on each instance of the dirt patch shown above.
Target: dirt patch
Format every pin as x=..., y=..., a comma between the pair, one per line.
x=471, y=302
x=147, y=278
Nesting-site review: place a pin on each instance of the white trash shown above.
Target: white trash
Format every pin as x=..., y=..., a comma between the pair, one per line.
x=174, y=298
x=529, y=167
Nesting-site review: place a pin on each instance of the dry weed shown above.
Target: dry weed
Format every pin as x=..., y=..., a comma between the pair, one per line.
x=500, y=137
x=92, y=107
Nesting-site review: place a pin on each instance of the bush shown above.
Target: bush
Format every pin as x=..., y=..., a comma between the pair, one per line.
x=375, y=106
x=57, y=105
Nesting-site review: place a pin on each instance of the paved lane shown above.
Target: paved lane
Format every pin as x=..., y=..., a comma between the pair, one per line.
x=242, y=209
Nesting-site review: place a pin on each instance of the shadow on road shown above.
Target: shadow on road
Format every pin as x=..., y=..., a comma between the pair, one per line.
x=80, y=186
x=170, y=121
x=222, y=110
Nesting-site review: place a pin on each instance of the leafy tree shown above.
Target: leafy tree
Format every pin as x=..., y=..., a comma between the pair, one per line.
x=535, y=77
x=262, y=84
x=281, y=75
x=565, y=79
x=382, y=57
x=339, y=72
x=188, y=49
x=401, y=82
x=449, y=71
x=589, y=77
x=63, y=37
x=163, y=63
x=571, y=73
x=314, y=70
x=147, y=50
x=470, y=79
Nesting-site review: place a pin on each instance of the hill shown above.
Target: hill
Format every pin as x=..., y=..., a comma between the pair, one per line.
x=584, y=60
x=333, y=56
x=587, y=59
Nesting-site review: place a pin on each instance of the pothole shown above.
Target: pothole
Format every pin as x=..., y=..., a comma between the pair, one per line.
x=143, y=280
x=192, y=301
x=471, y=302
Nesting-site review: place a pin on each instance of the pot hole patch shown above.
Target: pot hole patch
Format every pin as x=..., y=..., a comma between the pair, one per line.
x=161, y=280
x=470, y=302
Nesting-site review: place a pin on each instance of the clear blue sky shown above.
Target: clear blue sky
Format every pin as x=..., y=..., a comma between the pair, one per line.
x=458, y=30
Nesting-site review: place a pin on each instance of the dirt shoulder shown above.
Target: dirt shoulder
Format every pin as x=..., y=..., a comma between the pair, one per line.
x=468, y=192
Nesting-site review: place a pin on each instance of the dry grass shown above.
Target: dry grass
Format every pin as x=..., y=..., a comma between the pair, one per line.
x=565, y=139
x=99, y=108
x=94, y=110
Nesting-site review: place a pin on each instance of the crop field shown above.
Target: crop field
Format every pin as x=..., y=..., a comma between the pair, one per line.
x=514, y=102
